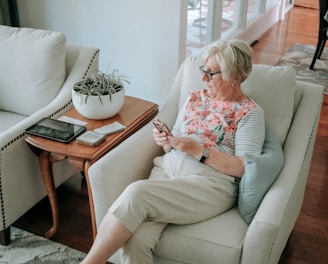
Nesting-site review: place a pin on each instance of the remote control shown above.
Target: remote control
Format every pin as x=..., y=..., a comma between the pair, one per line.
x=110, y=128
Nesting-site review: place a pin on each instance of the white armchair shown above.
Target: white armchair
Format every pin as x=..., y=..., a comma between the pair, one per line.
x=40, y=68
x=291, y=107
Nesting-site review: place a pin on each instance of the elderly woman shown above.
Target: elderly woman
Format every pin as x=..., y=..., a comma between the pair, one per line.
x=197, y=177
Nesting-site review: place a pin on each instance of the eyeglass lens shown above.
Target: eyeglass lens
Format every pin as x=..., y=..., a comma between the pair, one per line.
x=208, y=73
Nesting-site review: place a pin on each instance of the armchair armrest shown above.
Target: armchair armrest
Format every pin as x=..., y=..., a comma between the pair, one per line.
x=280, y=207
x=133, y=159
x=130, y=161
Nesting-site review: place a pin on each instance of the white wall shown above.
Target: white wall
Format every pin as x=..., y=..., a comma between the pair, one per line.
x=144, y=39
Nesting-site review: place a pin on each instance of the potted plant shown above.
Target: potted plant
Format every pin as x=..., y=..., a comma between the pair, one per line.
x=99, y=96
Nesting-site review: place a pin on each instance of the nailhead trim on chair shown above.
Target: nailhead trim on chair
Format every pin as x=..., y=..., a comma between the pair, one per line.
x=61, y=109
x=312, y=135
x=1, y=195
x=2, y=202
x=23, y=134
x=94, y=55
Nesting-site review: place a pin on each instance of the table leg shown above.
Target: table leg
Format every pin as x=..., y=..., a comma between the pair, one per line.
x=48, y=180
x=91, y=204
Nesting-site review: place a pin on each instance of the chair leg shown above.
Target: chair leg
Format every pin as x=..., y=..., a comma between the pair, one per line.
x=322, y=47
x=316, y=53
x=5, y=236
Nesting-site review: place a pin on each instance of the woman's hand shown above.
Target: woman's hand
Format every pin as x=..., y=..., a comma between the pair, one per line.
x=187, y=145
x=161, y=139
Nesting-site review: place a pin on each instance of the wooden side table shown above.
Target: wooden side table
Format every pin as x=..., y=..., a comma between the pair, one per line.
x=134, y=115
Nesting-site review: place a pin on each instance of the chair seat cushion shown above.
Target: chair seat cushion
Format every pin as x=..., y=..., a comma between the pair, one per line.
x=32, y=68
x=219, y=238
x=9, y=119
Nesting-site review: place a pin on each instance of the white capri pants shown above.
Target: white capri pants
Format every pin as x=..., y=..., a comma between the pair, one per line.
x=176, y=192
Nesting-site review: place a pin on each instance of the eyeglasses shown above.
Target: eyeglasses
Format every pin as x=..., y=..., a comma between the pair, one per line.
x=208, y=73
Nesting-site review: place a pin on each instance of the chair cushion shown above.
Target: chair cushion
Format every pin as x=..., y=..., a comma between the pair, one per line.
x=32, y=68
x=219, y=238
x=273, y=87
x=9, y=119
x=260, y=172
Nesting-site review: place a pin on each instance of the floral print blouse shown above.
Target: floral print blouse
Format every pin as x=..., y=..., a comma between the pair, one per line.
x=214, y=123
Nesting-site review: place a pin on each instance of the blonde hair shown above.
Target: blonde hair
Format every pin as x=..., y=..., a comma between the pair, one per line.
x=233, y=56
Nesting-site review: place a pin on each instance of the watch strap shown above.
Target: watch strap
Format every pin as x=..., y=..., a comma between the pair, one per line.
x=204, y=155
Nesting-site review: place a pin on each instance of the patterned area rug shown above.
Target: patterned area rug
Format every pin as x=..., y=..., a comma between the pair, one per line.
x=299, y=56
x=28, y=248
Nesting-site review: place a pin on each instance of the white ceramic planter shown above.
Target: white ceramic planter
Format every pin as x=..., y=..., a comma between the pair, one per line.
x=93, y=108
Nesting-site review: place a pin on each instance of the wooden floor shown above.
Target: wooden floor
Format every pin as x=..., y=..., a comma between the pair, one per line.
x=308, y=242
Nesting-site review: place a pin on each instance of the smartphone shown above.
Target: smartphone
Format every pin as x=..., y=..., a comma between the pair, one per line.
x=161, y=126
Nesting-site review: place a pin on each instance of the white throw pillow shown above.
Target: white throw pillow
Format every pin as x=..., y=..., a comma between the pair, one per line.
x=32, y=68
x=273, y=87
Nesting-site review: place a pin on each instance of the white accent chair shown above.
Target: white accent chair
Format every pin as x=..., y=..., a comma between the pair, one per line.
x=37, y=72
x=291, y=107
